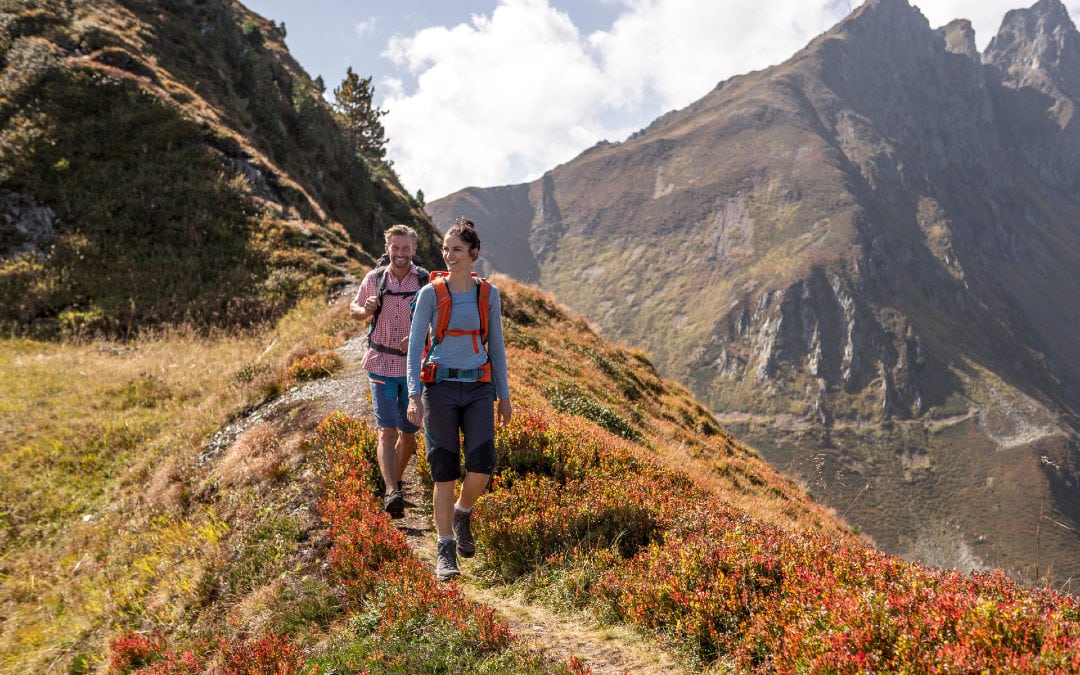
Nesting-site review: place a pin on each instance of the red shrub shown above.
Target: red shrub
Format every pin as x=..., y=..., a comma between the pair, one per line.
x=313, y=367
x=721, y=584
x=266, y=655
x=132, y=650
x=369, y=552
x=145, y=654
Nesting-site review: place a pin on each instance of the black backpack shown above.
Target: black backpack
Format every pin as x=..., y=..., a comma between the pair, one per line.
x=382, y=266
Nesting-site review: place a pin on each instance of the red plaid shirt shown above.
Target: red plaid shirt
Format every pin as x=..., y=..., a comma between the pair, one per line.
x=393, y=323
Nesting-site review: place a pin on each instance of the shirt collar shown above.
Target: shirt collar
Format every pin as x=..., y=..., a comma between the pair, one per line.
x=412, y=272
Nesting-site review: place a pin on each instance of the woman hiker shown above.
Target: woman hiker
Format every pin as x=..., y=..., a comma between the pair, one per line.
x=453, y=384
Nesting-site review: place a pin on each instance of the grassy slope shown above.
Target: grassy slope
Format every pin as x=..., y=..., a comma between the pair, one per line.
x=111, y=521
x=107, y=519
x=618, y=495
x=193, y=169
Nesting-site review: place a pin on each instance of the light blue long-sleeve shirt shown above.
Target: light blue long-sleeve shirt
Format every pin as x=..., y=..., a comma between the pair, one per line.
x=456, y=351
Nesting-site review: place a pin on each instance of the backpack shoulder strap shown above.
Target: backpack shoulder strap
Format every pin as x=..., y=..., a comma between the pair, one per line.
x=483, y=303
x=443, y=304
x=380, y=290
x=380, y=279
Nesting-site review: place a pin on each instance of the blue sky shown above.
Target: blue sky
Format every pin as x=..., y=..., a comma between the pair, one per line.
x=495, y=92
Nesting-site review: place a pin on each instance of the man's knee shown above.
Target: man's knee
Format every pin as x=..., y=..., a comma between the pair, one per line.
x=388, y=434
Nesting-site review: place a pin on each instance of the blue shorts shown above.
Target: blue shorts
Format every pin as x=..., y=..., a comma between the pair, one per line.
x=390, y=400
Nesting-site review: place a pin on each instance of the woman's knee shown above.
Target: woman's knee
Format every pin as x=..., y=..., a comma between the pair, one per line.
x=482, y=458
x=444, y=465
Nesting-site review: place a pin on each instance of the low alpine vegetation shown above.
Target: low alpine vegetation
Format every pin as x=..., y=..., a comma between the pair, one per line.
x=588, y=518
x=272, y=554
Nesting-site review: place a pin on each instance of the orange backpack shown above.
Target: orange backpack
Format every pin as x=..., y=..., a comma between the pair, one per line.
x=430, y=372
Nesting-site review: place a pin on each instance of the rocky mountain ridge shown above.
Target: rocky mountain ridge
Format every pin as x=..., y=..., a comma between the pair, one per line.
x=862, y=260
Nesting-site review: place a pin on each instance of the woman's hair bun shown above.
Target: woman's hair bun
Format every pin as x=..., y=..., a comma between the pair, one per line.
x=466, y=229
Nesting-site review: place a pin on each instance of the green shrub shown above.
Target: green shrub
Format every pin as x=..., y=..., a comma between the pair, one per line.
x=570, y=399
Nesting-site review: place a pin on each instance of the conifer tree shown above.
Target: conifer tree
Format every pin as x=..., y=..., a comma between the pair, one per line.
x=359, y=118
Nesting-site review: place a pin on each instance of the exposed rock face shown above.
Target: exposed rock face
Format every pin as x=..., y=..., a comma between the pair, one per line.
x=25, y=226
x=865, y=259
x=1036, y=56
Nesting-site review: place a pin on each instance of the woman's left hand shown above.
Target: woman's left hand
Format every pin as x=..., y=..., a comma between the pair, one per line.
x=505, y=410
x=415, y=411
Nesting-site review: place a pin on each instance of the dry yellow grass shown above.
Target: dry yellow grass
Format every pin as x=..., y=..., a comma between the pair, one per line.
x=99, y=468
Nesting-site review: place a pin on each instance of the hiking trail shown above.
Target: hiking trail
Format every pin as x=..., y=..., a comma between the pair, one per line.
x=557, y=635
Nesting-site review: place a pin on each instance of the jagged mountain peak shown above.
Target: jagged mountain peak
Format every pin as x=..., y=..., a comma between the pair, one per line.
x=885, y=23
x=1048, y=12
x=887, y=10
x=960, y=38
x=1036, y=57
x=882, y=49
x=1036, y=43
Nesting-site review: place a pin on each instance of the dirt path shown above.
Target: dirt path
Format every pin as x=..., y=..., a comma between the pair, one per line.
x=557, y=635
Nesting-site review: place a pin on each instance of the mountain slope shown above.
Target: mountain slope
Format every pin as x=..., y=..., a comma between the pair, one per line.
x=180, y=491
x=862, y=260
x=162, y=546
x=169, y=161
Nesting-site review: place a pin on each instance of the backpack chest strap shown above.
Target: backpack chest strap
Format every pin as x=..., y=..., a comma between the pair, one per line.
x=475, y=337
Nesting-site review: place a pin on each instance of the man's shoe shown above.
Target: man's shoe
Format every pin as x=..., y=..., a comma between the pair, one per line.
x=463, y=533
x=394, y=504
x=446, y=561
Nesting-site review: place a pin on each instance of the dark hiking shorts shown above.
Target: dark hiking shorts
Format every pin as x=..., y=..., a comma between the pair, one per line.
x=465, y=406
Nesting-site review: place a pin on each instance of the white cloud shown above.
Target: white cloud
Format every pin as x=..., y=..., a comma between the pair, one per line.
x=504, y=97
x=680, y=49
x=499, y=99
x=362, y=28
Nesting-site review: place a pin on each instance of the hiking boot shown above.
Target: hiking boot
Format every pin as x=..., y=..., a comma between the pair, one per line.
x=463, y=533
x=394, y=504
x=446, y=561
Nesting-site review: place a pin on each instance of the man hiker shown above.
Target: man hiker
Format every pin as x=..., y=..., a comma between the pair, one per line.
x=384, y=297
